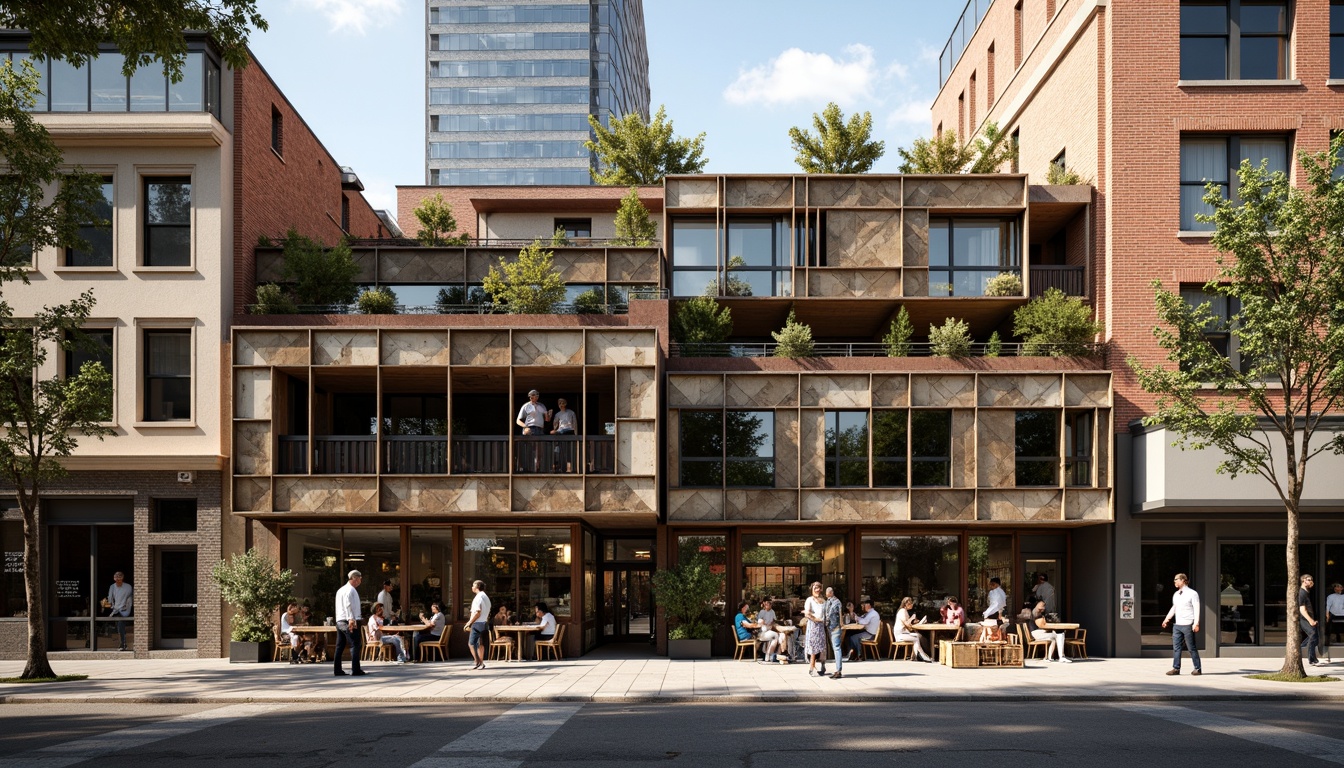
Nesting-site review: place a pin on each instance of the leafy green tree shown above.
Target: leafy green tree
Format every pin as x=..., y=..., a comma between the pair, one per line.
x=944, y=154
x=319, y=276
x=590, y=302
x=437, y=223
x=1055, y=325
x=994, y=347
x=377, y=301
x=732, y=284
x=634, y=152
x=1004, y=284
x=1281, y=263
x=837, y=146
x=951, y=339
x=142, y=30
x=253, y=584
x=794, y=340
x=41, y=421
x=528, y=285
x=898, y=337
x=633, y=225
x=272, y=300
x=700, y=322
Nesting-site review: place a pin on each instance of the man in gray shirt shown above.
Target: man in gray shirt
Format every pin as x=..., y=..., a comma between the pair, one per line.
x=119, y=598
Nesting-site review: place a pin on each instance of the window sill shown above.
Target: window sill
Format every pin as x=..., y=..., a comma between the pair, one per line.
x=170, y=270
x=1238, y=83
x=85, y=269
x=1195, y=234
x=185, y=423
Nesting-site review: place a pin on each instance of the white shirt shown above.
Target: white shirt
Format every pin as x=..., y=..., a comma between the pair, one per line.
x=547, y=624
x=385, y=598
x=998, y=600
x=347, y=603
x=872, y=622
x=1334, y=604
x=286, y=626
x=1045, y=592
x=815, y=610
x=902, y=618
x=1184, y=606
x=480, y=606
x=532, y=414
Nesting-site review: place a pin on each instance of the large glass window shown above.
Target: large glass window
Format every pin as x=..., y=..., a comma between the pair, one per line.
x=964, y=254
x=1078, y=448
x=930, y=448
x=1234, y=40
x=889, y=447
x=1215, y=159
x=695, y=269
x=493, y=122
x=13, y=601
x=1036, y=448
x=100, y=86
x=1274, y=622
x=782, y=567
x=513, y=176
x=107, y=85
x=736, y=448
x=1336, y=39
x=509, y=14
x=84, y=559
x=987, y=557
x=97, y=232
x=714, y=549
x=321, y=558
x=554, y=94
x=1238, y=594
x=758, y=258
x=167, y=222
x=167, y=375
x=846, y=449
x=511, y=68
x=69, y=87
x=520, y=567
x=701, y=457
x=511, y=41
x=430, y=572
x=1218, y=333
x=924, y=568
x=1158, y=564
x=473, y=150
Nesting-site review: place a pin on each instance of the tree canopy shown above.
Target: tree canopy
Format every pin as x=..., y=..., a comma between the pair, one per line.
x=1281, y=274
x=437, y=223
x=143, y=30
x=837, y=146
x=634, y=152
x=633, y=225
x=944, y=154
x=528, y=285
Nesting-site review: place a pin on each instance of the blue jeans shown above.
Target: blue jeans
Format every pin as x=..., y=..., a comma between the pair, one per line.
x=347, y=636
x=835, y=648
x=1183, y=633
x=121, y=629
x=856, y=642
x=480, y=634
x=1308, y=640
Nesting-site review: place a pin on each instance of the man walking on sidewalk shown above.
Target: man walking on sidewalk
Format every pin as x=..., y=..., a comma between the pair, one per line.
x=1307, y=622
x=347, y=623
x=1185, y=609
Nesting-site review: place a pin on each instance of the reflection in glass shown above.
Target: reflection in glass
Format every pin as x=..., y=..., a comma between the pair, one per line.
x=889, y=445
x=107, y=84
x=97, y=233
x=430, y=576
x=1036, y=448
x=69, y=87
x=749, y=444
x=1159, y=563
x=148, y=89
x=846, y=449
x=782, y=566
x=1237, y=603
x=987, y=557
x=520, y=567
x=930, y=447
x=925, y=568
x=187, y=94
x=314, y=555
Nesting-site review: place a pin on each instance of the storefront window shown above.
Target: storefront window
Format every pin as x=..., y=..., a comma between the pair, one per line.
x=1237, y=594
x=1274, y=631
x=925, y=568
x=83, y=561
x=715, y=550
x=987, y=557
x=520, y=567
x=1159, y=563
x=782, y=566
x=430, y=576
x=11, y=579
x=314, y=555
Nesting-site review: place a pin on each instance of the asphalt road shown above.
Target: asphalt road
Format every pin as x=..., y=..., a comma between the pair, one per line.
x=489, y=735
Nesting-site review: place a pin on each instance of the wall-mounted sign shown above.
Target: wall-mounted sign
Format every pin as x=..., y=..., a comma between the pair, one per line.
x=1126, y=601
x=72, y=588
x=14, y=562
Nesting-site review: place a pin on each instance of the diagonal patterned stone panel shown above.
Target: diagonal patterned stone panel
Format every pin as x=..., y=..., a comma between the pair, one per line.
x=963, y=449
x=786, y=449
x=547, y=494
x=1086, y=504
x=914, y=282
x=812, y=448
x=891, y=391
x=492, y=494
x=438, y=495
x=548, y=348
x=621, y=494
x=579, y=265
x=1020, y=505
x=636, y=448
x=415, y=348
x=995, y=449
x=695, y=505
x=758, y=193
x=695, y=391
x=837, y=391
x=479, y=347
x=863, y=283
x=326, y=494
x=915, y=239
x=1087, y=390
x=941, y=505
x=271, y=348
x=970, y=192
x=942, y=390
x=252, y=448
x=761, y=391
x=633, y=266
x=345, y=347
x=692, y=193
x=750, y=504
x=863, y=239
x=1019, y=391
x=252, y=393
x=636, y=393
x=622, y=347
x=251, y=494
x=867, y=506
x=420, y=265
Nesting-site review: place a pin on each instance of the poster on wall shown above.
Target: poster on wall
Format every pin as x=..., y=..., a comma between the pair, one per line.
x=1126, y=601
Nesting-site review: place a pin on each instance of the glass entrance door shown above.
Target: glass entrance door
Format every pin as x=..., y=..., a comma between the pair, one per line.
x=176, y=627
x=627, y=604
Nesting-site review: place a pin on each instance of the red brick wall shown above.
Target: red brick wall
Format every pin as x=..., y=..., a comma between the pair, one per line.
x=299, y=188
x=466, y=202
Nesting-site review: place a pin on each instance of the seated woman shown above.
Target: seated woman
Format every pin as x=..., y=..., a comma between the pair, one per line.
x=314, y=643
x=1039, y=632
x=376, y=636
x=904, y=629
x=288, y=619
x=952, y=613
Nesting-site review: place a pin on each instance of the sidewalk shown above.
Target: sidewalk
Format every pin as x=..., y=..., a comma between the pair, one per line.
x=626, y=677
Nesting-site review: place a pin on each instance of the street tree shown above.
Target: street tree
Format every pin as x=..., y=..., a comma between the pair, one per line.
x=944, y=154
x=1280, y=255
x=634, y=152
x=41, y=421
x=837, y=146
x=142, y=30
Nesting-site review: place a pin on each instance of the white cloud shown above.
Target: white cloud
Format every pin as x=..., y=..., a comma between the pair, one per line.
x=357, y=16
x=909, y=113
x=804, y=77
x=381, y=193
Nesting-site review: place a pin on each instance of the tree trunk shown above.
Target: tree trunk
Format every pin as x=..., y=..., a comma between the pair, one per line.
x=37, y=666
x=1292, y=653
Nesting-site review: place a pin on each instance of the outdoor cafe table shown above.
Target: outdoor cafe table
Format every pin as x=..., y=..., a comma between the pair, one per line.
x=933, y=630
x=518, y=631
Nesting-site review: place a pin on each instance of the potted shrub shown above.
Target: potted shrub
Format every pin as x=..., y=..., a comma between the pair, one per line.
x=252, y=585
x=687, y=594
x=1056, y=325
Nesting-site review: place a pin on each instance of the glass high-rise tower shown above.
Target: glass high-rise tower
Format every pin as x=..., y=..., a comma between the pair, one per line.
x=510, y=86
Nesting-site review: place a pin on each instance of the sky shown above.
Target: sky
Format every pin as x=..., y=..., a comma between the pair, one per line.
x=741, y=71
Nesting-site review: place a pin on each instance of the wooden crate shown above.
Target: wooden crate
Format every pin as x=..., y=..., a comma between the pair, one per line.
x=975, y=655
x=959, y=655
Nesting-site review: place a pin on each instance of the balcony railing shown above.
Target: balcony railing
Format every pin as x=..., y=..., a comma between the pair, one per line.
x=345, y=454
x=542, y=454
x=858, y=349
x=480, y=308
x=415, y=454
x=1069, y=279
x=430, y=455
x=293, y=458
x=488, y=242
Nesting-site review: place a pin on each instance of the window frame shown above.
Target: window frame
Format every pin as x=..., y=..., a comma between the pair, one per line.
x=1336, y=66
x=146, y=378
x=930, y=459
x=67, y=254
x=835, y=462
x=1233, y=37
x=1019, y=458
x=1232, y=161
x=1079, y=454
x=146, y=227
x=68, y=358
x=1230, y=348
x=575, y=228
x=1010, y=247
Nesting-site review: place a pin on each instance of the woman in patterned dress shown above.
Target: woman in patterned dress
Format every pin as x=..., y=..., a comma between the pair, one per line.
x=814, y=610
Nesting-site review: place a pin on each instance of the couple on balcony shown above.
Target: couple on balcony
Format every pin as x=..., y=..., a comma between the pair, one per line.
x=532, y=417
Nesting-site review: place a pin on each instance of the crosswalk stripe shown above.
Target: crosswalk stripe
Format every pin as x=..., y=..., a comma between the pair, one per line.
x=522, y=729
x=1310, y=744
x=91, y=747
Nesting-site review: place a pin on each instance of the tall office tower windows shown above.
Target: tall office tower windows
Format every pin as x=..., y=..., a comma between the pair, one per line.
x=511, y=87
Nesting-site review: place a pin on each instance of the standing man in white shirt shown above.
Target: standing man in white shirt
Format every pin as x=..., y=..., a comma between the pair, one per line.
x=1045, y=592
x=998, y=600
x=478, y=624
x=385, y=597
x=1334, y=615
x=532, y=417
x=119, y=600
x=347, y=623
x=1185, y=609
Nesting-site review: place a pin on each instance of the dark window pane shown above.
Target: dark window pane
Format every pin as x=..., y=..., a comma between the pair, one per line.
x=701, y=473
x=170, y=400
x=1337, y=56
x=1037, y=473
x=98, y=236
x=1036, y=440
x=167, y=375
x=930, y=434
x=854, y=474
x=750, y=473
x=1203, y=18
x=168, y=247
x=750, y=434
x=1264, y=58
x=1336, y=18
x=929, y=472
x=888, y=473
x=174, y=515
x=1264, y=18
x=939, y=255
x=701, y=434
x=1203, y=58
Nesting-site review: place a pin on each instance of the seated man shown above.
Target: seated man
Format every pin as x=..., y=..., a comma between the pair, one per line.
x=872, y=624
x=771, y=640
x=432, y=630
x=376, y=636
x=742, y=626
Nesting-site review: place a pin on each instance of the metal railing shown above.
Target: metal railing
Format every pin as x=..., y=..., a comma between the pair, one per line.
x=869, y=349
x=433, y=454
x=967, y=23
x=415, y=454
x=540, y=454
x=345, y=454
x=496, y=242
x=293, y=458
x=482, y=308
x=1069, y=279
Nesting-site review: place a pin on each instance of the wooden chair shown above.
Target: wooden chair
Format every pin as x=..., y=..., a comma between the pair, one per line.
x=874, y=645
x=906, y=648
x=439, y=646
x=1030, y=644
x=1076, y=646
x=375, y=650
x=501, y=648
x=740, y=650
x=556, y=645
x=283, y=651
